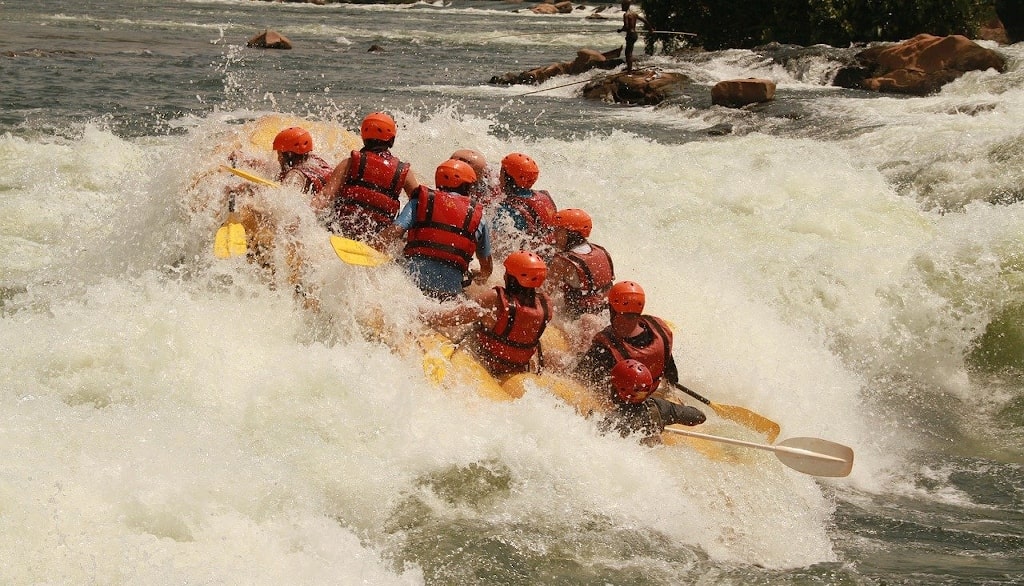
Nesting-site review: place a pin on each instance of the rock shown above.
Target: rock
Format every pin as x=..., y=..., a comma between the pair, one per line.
x=736, y=93
x=544, y=9
x=1011, y=15
x=564, y=7
x=586, y=59
x=918, y=66
x=375, y=49
x=720, y=129
x=993, y=30
x=645, y=87
x=269, y=39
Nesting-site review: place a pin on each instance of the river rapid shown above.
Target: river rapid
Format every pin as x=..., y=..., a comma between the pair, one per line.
x=850, y=265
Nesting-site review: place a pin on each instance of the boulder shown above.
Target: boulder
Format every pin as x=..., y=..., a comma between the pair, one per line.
x=993, y=30
x=544, y=9
x=1011, y=16
x=586, y=59
x=645, y=87
x=918, y=66
x=736, y=93
x=269, y=39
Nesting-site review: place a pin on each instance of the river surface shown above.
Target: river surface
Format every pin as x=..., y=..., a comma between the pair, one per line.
x=847, y=264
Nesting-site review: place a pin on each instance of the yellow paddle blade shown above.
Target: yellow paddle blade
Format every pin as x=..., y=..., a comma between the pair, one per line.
x=354, y=252
x=435, y=368
x=236, y=239
x=748, y=418
x=250, y=177
x=229, y=240
x=221, y=249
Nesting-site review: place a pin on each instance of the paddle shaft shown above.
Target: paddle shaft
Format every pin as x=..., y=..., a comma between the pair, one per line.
x=813, y=456
x=756, y=446
x=741, y=415
x=251, y=177
x=691, y=393
x=588, y=32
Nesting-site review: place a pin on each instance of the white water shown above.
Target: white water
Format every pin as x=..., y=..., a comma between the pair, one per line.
x=169, y=419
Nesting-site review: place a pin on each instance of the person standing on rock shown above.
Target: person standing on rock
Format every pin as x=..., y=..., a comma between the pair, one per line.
x=629, y=19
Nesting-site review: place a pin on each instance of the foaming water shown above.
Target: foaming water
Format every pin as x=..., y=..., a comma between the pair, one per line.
x=847, y=265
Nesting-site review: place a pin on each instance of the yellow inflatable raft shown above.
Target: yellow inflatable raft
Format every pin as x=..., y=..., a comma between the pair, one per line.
x=448, y=366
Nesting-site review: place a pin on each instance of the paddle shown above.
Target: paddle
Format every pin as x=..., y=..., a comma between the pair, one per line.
x=672, y=33
x=809, y=455
x=436, y=367
x=354, y=252
x=741, y=415
x=250, y=177
x=230, y=238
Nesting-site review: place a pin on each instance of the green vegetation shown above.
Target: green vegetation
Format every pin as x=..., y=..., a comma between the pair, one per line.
x=722, y=24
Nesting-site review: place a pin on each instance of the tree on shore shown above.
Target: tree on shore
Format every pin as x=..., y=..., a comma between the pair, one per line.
x=721, y=24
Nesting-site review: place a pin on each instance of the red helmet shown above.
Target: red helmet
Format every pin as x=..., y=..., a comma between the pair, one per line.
x=378, y=126
x=293, y=140
x=528, y=269
x=521, y=168
x=574, y=220
x=453, y=174
x=627, y=297
x=632, y=381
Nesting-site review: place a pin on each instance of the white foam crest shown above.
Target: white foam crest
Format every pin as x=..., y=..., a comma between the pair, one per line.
x=930, y=146
x=65, y=194
x=185, y=437
x=731, y=64
x=138, y=416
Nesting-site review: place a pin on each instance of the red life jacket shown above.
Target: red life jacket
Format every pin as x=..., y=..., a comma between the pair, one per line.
x=368, y=201
x=315, y=170
x=595, y=273
x=654, y=356
x=538, y=211
x=509, y=346
x=444, y=228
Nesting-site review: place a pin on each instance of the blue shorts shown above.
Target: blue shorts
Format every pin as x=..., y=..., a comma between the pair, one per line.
x=435, y=278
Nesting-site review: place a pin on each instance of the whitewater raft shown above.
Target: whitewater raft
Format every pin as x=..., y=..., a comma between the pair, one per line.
x=448, y=366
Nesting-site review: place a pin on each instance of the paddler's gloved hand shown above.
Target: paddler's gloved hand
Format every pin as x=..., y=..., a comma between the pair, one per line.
x=673, y=413
x=691, y=416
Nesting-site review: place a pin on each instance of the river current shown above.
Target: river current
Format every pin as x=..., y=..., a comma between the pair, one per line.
x=850, y=265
